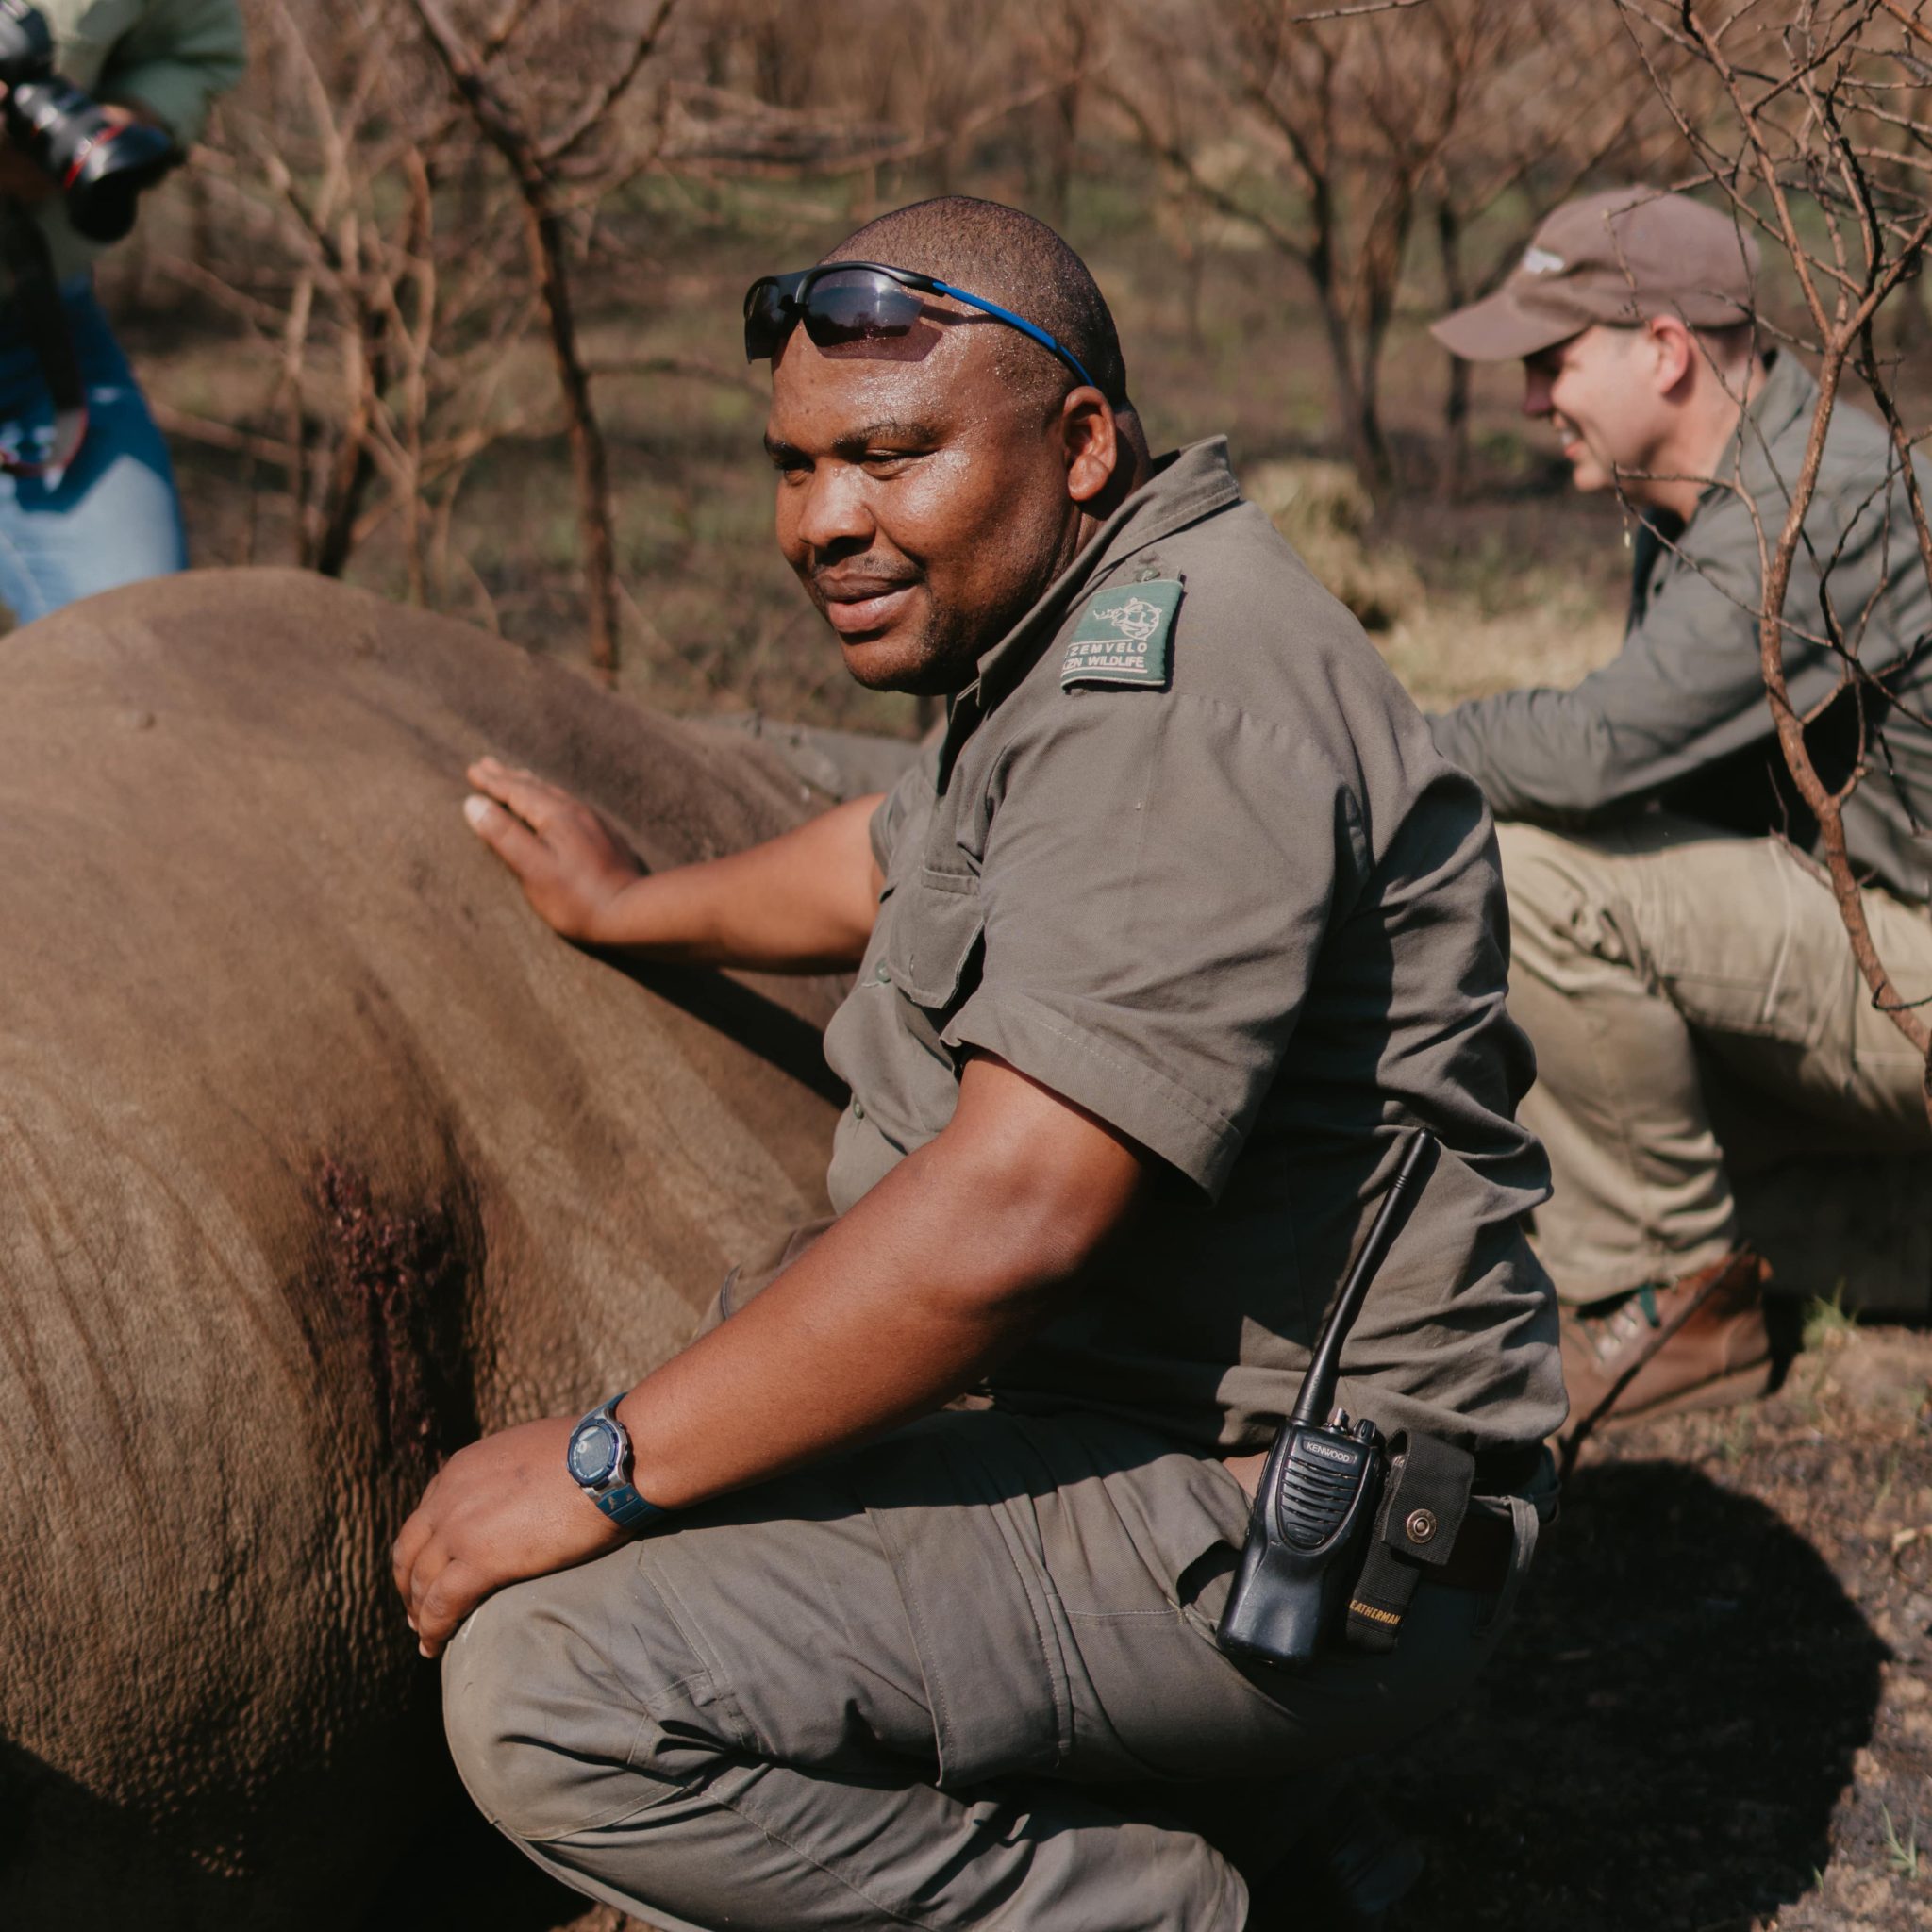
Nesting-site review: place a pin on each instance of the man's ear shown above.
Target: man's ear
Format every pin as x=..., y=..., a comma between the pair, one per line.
x=1091, y=440
x=1673, y=349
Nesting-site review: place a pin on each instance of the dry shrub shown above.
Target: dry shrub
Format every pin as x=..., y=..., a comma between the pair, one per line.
x=1324, y=511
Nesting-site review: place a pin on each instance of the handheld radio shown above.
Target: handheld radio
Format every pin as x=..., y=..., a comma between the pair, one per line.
x=1321, y=1484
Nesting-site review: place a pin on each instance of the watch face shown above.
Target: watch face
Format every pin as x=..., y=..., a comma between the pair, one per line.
x=595, y=1451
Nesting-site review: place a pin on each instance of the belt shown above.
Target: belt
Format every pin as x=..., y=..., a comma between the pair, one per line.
x=1480, y=1558
x=1509, y=1471
x=1485, y=1545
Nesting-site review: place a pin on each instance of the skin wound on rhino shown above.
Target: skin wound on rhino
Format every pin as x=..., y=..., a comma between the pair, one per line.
x=402, y=1273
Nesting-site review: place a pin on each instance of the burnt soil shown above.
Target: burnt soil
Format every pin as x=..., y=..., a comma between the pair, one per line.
x=1712, y=1713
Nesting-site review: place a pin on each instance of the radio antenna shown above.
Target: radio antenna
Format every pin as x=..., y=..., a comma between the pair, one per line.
x=1318, y=1385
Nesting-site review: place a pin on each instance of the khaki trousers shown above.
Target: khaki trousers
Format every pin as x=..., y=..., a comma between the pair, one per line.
x=1699, y=1025
x=961, y=1678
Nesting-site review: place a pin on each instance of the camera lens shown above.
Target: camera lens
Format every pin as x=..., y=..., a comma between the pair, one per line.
x=115, y=164
x=103, y=161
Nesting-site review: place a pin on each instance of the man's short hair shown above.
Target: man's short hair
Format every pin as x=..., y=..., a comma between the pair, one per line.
x=1008, y=257
x=1734, y=345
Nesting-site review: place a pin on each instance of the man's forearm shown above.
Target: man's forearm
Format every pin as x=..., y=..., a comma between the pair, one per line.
x=953, y=1258
x=969, y=1245
x=801, y=902
x=1537, y=754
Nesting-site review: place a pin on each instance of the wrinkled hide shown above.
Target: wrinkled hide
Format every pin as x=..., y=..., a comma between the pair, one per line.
x=318, y=1154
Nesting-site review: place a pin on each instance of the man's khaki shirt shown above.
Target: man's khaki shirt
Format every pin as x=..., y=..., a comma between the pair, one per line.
x=1228, y=898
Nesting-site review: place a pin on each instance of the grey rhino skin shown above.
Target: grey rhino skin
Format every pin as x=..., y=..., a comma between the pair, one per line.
x=318, y=1154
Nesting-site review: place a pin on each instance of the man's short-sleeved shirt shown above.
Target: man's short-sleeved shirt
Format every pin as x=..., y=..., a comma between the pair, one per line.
x=1188, y=858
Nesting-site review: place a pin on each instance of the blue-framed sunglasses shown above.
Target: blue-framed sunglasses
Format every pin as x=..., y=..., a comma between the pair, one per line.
x=841, y=302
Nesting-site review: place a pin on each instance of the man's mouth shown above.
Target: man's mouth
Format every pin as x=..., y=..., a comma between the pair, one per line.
x=857, y=605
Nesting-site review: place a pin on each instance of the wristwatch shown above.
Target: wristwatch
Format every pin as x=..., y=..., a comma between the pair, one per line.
x=599, y=1460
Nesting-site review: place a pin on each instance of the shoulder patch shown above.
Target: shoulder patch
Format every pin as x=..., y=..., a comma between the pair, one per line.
x=1123, y=636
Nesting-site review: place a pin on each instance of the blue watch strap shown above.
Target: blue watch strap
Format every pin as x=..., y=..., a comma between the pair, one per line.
x=626, y=1509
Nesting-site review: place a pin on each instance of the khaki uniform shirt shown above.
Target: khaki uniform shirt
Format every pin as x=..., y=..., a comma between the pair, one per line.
x=1188, y=858
x=1680, y=715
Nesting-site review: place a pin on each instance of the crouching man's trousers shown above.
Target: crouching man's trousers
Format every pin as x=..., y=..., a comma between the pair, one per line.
x=1699, y=1020
x=914, y=1687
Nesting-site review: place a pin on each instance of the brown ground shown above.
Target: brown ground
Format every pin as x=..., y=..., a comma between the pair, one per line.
x=1713, y=1714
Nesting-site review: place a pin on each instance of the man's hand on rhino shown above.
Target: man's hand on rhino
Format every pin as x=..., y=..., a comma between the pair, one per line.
x=497, y=1511
x=572, y=867
x=803, y=901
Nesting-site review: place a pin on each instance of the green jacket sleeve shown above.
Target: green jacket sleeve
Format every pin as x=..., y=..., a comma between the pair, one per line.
x=175, y=59
x=1686, y=690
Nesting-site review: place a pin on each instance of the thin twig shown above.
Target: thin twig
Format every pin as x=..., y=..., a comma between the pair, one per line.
x=505, y=130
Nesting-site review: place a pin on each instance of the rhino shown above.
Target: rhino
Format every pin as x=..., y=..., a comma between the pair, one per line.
x=319, y=1155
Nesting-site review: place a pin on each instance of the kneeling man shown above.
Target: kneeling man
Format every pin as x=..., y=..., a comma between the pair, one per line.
x=1675, y=947
x=892, y=1599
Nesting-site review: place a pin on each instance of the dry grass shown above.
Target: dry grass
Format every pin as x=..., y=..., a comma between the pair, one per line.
x=1446, y=649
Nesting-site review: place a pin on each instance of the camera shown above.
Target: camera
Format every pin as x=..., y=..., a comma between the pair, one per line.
x=100, y=161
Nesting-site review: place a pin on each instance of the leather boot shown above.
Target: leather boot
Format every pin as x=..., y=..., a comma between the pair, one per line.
x=1699, y=1344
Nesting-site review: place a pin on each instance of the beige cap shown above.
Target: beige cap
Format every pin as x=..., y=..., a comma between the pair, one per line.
x=1618, y=257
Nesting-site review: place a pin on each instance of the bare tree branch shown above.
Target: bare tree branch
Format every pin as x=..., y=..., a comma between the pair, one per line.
x=508, y=133
x=1354, y=13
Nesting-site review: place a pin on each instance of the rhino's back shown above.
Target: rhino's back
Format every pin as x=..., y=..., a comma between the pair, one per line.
x=317, y=1153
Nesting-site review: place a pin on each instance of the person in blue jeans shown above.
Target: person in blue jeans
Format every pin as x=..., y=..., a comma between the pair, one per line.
x=113, y=515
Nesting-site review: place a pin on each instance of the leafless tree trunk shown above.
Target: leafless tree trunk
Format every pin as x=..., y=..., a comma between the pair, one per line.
x=533, y=165
x=1330, y=132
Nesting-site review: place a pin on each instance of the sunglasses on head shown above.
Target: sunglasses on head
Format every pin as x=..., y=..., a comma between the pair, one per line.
x=840, y=302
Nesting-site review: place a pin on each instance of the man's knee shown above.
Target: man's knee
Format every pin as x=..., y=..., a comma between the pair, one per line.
x=1564, y=904
x=542, y=1729
x=1542, y=875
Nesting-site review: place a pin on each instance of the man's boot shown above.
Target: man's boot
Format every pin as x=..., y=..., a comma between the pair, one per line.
x=1699, y=1344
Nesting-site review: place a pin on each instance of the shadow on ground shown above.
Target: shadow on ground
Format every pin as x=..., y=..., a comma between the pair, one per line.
x=466, y=1878
x=1663, y=1739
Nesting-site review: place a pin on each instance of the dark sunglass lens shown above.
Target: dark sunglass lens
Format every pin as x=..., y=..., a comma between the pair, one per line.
x=768, y=314
x=854, y=307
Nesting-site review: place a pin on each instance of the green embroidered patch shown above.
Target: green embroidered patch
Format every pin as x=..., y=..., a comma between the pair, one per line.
x=1123, y=636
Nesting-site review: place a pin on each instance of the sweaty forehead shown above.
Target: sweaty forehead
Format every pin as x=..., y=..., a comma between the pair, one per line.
x=942, y=376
